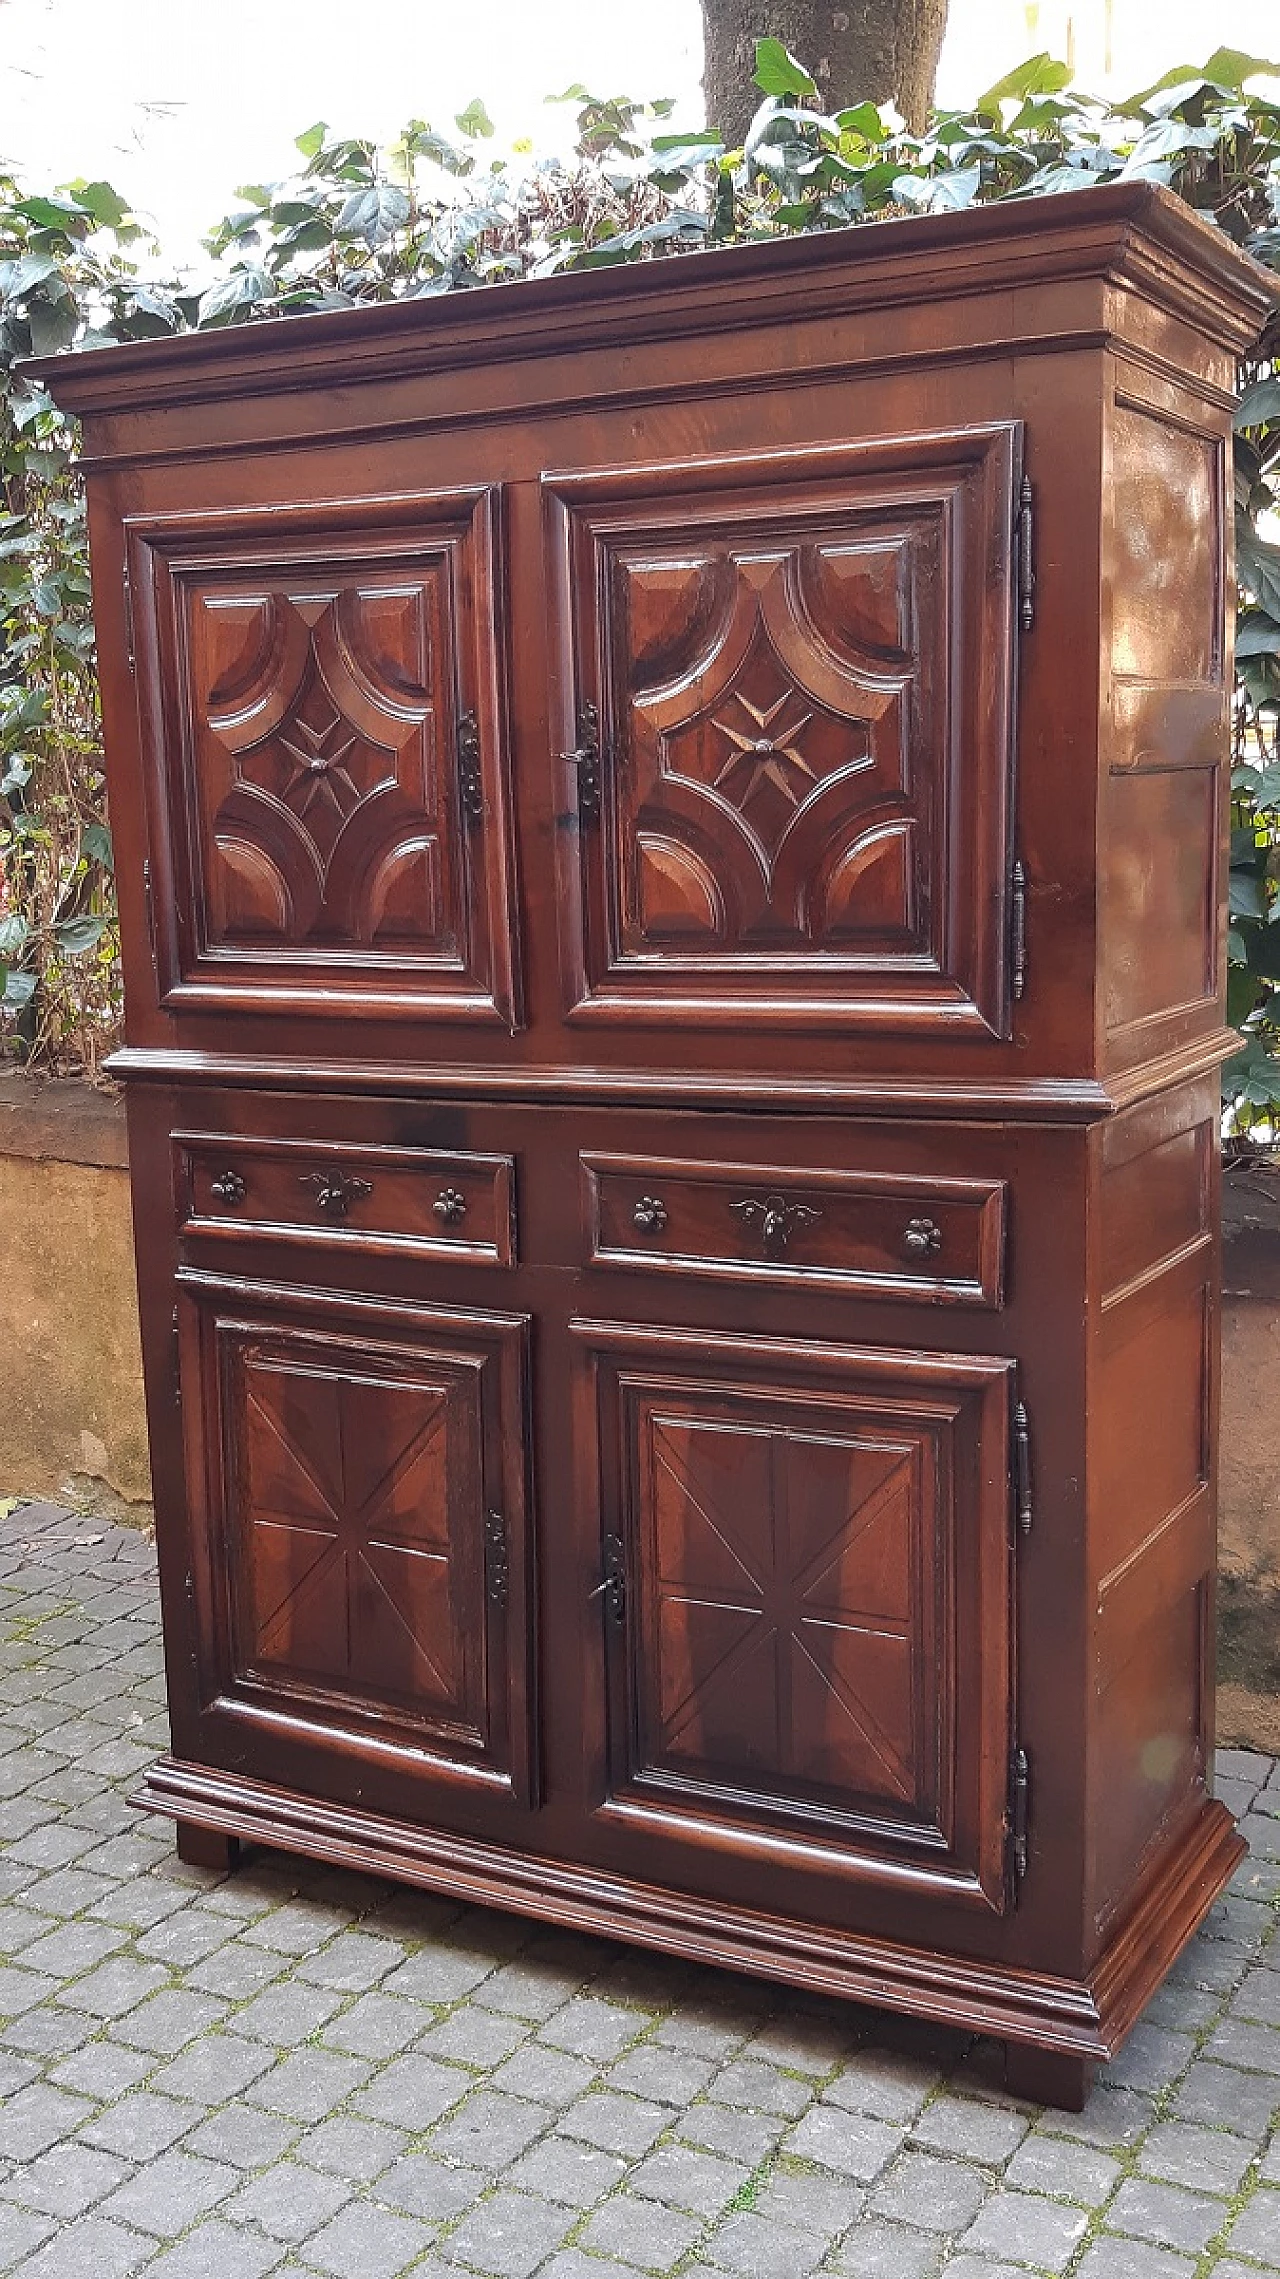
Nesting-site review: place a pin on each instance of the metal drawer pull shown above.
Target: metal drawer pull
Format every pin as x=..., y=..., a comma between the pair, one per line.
x=650, y=1214
x=776, y=1217
x=336, y=1191
x=920, y=1237
x=229, y=1187
x=450, y=1206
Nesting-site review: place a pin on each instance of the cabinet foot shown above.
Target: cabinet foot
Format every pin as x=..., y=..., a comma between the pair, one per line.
x=205, y=1848
x=1048, y=2077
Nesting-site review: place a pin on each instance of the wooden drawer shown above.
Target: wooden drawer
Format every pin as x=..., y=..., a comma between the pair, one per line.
x=441, y=1202
x=891, y=1234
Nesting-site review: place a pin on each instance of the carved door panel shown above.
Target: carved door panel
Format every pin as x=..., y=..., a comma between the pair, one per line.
x=361, y=1573
x=785, y=702
x=328, y=761
x=805, y=1613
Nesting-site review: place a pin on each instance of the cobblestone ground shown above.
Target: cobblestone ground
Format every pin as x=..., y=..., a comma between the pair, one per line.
x=302, y=2072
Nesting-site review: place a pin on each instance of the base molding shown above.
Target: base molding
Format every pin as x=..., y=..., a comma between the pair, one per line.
x=1084, y=2019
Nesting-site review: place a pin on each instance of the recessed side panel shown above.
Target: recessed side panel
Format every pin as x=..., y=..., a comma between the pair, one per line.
x=1161, y=869
x=785, y=697
x=329, y=772
x=363, y=1576
x=805, y=1612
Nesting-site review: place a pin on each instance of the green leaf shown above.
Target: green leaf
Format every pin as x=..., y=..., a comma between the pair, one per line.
x=13, y=934
x=19, y=988
x=312, y=142
x=232, y=299
x=1260, y=402
x=1248, y=895
x=475, y=120
x=375, y=214
x=31, y=270
x=778, y=73
x=53, y=326
x=76, y=936
x=1039, y=75
x=105, y=204
x=95, y=845
x=1257, y=635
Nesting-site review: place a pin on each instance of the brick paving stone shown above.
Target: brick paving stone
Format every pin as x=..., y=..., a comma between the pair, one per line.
x=590, y=2027
x=616, y=2123
x=546, y=2076
x=1166, y=2214
x=286, y=2014
x=1207, y=2160
x=1150, y=2059
x=141, y=2125
x=1020, y=2227
x=762, y=2088
x=810, y=2202
x=289, y=2202
x=437, y=1975
x=169, y=2020
x=722, y=2128
x=933, y=2195
x=686, y=2178
x=347, y=2146
x=66, y=2180
x=215, y=2251
x=961, y=2125
x=1132, y=2259
x=1256, y=2049
x=91, y=2249
x=1065, y=2170
x=640, y=2233
x=889, y=2085
x=1258, y=1997
x=1269, y=2173
x=966, y=2266
x=509, y=2235
x=353, y=1962
x=246, y=2138
x=21, y=2233
x=474, y=2037
x=1227, y=2099
x=212, y=2069
x=847, y=2142
x=877, y=2250
x=308, y=2084
x=668, y=2076
x=489, y=2129
x=432, y=2189
x=1112, y=2119
x=169, y=2194
x=413, y=2091
x=102, y=2069
x=37, y=2117
x=751, y=2244
x=1256, y=2230
x=377, y=2026
x=557, y=2168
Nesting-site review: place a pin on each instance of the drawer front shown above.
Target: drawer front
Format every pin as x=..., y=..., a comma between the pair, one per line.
x=443, y=1202
x=889, y=1234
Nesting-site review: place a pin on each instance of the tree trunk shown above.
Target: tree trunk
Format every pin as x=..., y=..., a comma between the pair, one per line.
x=883, y=49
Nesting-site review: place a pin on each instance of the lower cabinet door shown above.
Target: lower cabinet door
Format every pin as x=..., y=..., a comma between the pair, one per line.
x=361, y=1572
x=802, y=1571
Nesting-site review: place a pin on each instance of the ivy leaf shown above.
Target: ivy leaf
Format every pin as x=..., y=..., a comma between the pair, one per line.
x=234, y=297
x=1260, y=402
x=30, y=271
x=778, y=73
x=96, y=847
x=312, y=142
x=1039, y=75
x=77, y=936
x=19, y=989
x=375, y=214
x=475, y=120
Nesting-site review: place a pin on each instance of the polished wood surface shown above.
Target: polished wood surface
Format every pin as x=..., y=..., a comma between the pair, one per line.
x=670, y=843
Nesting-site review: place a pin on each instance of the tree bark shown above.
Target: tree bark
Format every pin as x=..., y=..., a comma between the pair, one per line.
x=886, y=50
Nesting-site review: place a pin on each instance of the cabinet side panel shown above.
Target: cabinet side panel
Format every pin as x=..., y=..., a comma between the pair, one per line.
x=1152, y=1426
x=1165, y=720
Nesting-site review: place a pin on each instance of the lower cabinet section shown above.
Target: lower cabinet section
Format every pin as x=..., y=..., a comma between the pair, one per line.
x=805, y=1574
x=362, y=1572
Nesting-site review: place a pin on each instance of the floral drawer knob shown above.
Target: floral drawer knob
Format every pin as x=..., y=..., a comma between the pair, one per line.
x=921, y=1238
x=229, y=1188
x=336, y=1191
x=650, y=1214
x=450, y=1207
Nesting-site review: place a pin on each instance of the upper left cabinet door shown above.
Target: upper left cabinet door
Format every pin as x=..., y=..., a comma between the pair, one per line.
x=328, y=765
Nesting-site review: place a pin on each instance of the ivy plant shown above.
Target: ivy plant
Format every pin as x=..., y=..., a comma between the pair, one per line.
x=440, y=210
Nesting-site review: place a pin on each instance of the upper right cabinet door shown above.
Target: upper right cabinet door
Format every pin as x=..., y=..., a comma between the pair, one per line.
x=783, y=697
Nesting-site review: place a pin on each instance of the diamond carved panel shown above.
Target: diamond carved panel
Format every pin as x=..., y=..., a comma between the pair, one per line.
x=801, y=665
x=310, y=683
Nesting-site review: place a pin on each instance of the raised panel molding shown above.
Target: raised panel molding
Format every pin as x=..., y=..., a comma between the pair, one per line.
x=771, y=646
x=306, y=679
x=354, y=1459
x=804, y=1542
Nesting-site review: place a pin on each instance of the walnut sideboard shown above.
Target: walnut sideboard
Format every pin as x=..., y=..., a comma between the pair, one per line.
x=670, y=832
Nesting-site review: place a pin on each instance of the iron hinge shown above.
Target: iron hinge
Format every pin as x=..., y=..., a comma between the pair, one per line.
x=612, y=1587
x=176, y=1357
x=470, y=778
x=585, y=757
x=1023, y=1504
x=1019, y=1787
x=149, y=899
x=1018, y=930
x=126, y=583
x=496, y=1558
x=1026, y=537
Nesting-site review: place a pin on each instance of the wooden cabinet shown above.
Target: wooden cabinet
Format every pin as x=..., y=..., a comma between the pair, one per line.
x=670, y=838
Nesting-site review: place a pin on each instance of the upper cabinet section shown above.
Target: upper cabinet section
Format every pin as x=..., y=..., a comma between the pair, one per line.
x=325, y=748
x=785, y=699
